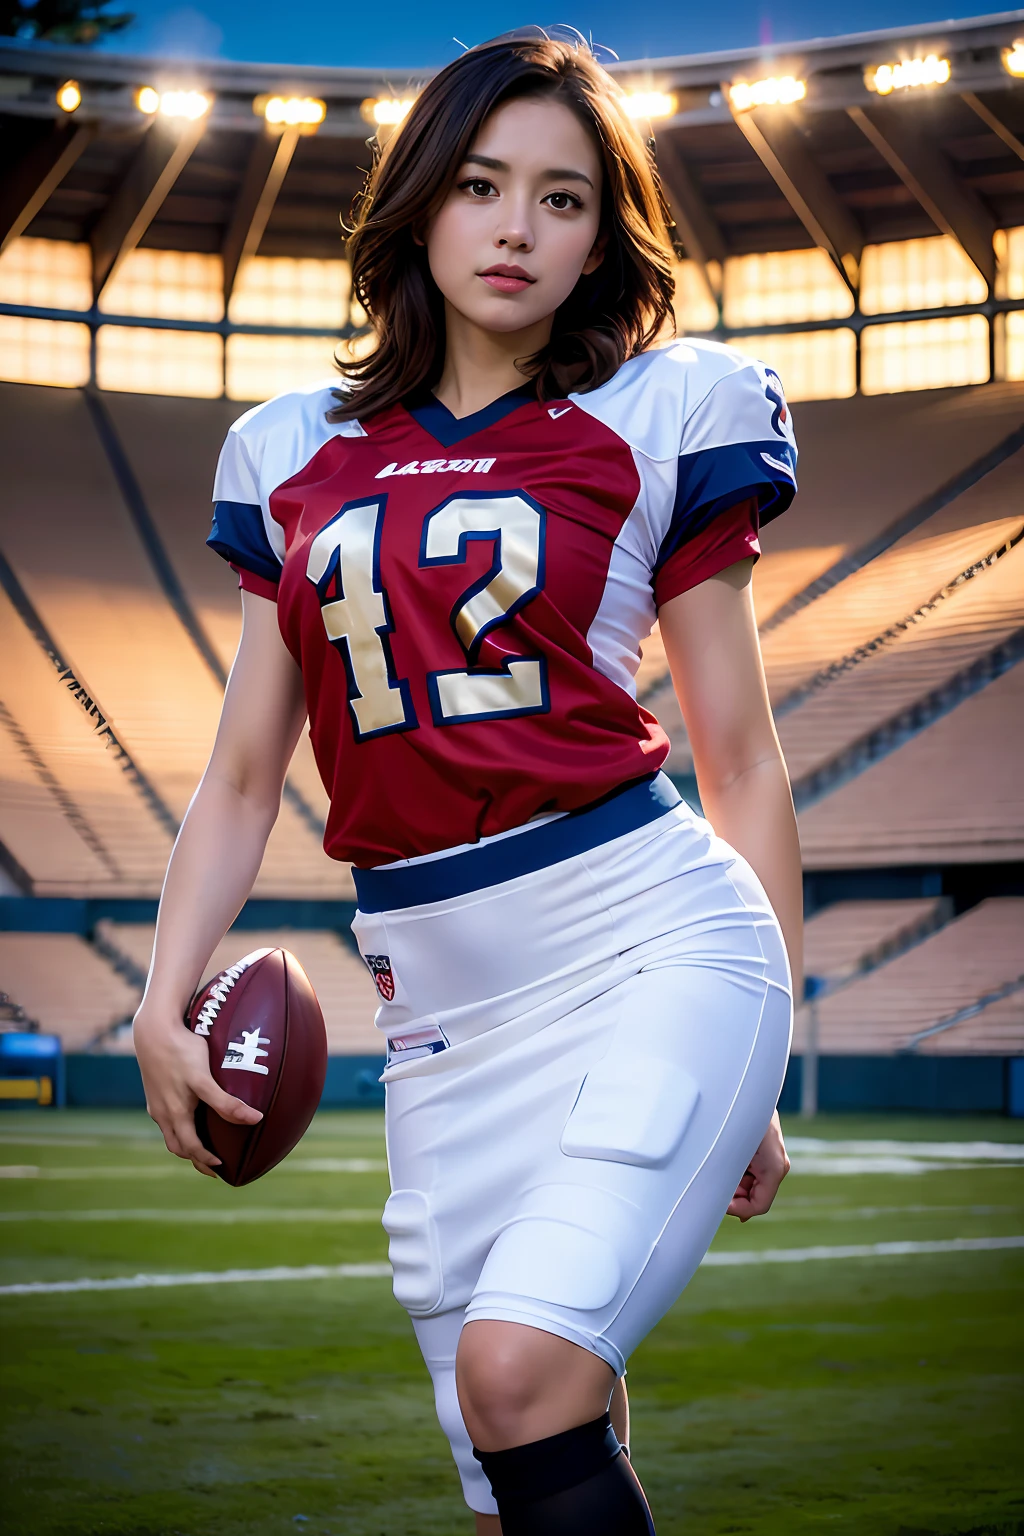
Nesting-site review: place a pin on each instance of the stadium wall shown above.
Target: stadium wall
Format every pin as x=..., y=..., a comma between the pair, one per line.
x=846, y=1084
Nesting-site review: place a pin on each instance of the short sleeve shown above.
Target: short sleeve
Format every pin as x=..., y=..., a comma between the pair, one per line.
x=729, y=537
x=737, y=447
x=239, y=532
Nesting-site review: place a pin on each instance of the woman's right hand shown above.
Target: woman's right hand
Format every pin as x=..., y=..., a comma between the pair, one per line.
x=175, y=1067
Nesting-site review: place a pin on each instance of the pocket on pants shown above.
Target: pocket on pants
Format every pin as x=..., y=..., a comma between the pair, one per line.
x=414, y=1251
x=631, y=1109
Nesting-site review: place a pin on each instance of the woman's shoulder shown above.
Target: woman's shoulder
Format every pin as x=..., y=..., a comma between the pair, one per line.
x=655, y=398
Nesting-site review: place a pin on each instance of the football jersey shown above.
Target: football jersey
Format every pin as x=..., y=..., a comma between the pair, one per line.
x=467, y=598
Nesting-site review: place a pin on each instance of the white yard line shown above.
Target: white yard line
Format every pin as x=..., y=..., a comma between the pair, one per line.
x=265, y=1214
x=861, y=1251
x=941, y=1151
x=202, y=1277
x=383, y=1271
x=845, y=1166
x=271, y=1215
x=174, y=1168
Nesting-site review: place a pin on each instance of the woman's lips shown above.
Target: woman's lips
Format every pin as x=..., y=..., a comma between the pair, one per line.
x=504, y=284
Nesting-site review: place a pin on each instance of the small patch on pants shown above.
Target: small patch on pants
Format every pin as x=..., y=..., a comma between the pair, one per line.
x=414, y=1251
x=631, y=1109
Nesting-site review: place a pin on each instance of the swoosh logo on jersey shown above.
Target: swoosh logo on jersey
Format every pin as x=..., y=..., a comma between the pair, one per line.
x=555, y=411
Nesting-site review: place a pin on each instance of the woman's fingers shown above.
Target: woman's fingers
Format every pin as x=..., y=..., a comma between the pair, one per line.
x=225, y=1104
x=760, y=1184
x=182, y=1138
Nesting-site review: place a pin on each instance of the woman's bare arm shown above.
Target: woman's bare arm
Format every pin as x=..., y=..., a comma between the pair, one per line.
x=710, y=636
x=215, y=861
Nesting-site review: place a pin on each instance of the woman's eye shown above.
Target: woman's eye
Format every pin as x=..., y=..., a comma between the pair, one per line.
x=477, y=186
x=560, y=201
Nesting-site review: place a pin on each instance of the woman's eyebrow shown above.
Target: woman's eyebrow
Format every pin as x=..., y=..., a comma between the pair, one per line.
x=554, y=173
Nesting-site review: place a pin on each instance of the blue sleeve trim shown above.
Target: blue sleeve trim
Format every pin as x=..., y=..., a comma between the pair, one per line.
x=239, y=536
x=716, y=479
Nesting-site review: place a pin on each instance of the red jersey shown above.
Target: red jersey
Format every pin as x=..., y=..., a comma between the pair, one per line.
x=467, y=598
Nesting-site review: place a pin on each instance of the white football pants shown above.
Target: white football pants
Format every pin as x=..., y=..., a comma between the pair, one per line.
x=583, y=1060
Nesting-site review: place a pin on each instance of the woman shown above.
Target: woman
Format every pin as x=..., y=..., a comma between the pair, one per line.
x=585, y=990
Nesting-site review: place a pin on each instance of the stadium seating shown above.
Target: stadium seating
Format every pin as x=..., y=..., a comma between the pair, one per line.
x=851, y=936
x=954, y=793
x=75, y=550
x=64, y=986
x=342, y=983
x=978, y=616
x=864, y=463
x=952, y=969
x=68, y=811
x=81, y=816
x=901, y=579
x=177, y=488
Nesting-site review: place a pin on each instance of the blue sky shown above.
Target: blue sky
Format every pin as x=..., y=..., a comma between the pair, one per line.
x=421, y=32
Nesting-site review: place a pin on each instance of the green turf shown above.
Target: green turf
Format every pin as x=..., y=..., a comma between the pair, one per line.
x=876, y=1396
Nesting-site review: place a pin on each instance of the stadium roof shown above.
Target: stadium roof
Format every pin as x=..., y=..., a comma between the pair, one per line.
x=842, y=166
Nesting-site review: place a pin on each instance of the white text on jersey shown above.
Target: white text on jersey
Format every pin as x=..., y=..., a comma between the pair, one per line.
x=437, y=467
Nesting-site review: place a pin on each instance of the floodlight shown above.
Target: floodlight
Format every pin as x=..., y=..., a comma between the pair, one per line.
x=907, y=74
x=650, y=104
x=191, y=105
x=386, y=111
x=69, y=97
x=305, y=112
x=774, y=91
x=1013, y=59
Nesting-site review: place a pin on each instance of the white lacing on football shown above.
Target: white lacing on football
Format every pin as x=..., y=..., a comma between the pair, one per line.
x=220, y=990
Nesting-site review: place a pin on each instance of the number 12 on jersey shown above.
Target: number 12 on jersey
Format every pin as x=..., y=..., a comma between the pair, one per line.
x=344, y=566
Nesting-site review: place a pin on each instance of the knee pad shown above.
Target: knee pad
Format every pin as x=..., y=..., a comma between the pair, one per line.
x=577, y=1483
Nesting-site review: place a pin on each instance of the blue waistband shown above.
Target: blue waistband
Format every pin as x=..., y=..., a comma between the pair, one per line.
x=413, y=885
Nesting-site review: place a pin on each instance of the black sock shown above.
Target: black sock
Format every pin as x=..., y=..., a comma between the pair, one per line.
x=577, y=1483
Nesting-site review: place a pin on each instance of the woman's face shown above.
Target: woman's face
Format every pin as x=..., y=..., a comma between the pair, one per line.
x=520, y=224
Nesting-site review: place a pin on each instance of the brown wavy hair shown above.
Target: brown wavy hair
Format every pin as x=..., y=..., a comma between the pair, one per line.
x=612, y=314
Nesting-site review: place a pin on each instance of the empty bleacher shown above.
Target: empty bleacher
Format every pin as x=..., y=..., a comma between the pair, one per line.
x=177, y=488
x=893, y=586
x=64, y=986
x=341, y=981
x=952, y=794
x=952, y=969
x=867, y=461
x=980, y=615
x=69, y=813
x=852, y=936
x=78, y=555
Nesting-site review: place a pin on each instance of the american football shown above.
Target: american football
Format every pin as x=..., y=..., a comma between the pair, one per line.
x=268, y=1047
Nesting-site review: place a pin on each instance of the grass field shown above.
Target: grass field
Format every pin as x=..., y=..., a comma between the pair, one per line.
x=876, y=1393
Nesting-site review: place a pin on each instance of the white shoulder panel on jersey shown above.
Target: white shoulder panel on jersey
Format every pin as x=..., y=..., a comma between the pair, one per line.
x=270, y=443
x=708, y=428
x=683, y=398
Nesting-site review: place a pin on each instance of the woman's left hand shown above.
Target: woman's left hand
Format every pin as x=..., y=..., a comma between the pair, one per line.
x=760, y=1184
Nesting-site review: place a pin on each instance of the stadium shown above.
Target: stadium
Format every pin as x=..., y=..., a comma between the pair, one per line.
x=851, y=211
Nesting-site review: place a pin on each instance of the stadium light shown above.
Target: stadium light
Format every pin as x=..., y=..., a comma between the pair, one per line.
x=774, y=91
x=1013, y=59
x=191, y=105
x=69, y=97
x=908, y=74
x=386, y=111
x=303, y=112
x=650, y=105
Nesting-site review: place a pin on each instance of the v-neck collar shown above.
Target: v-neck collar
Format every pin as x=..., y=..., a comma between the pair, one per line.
x=428, y=412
